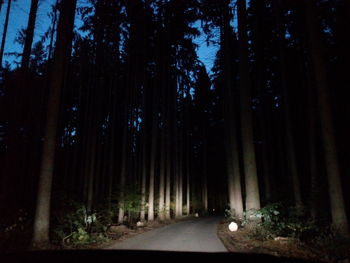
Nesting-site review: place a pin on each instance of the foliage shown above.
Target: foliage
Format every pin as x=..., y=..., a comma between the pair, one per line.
x=277, y=220
x=231, y=215
x=76, y=227
x=131, y=204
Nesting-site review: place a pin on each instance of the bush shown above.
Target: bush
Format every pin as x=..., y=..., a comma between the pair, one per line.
x=73, y=225
x=131, y=205
x=277, y=220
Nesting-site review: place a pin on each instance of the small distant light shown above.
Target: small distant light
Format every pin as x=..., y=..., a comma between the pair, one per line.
x=196, y=215
x=233, y=227
x=213, y=209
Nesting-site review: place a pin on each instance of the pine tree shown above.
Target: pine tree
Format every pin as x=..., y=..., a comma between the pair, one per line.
x=63, y=47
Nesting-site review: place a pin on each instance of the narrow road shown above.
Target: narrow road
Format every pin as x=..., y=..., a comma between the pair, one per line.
x=197, y=235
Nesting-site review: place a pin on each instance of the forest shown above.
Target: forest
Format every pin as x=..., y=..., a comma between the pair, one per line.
x=116, y=121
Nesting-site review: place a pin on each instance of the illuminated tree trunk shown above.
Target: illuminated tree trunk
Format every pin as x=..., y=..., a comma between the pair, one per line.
x=188, y=101
x=163, y=154
x=121, y=211
x=232, y=154
x=124, y=154
x=62, y=52
x=204, y=174
x=180, y=163
x=169, y=156
x=188, y=184
x=168, y=179
x=29, y=35
x=4, y=33
x=250, y=173
x=153, y=156
x=338, y=212
x=144, y=175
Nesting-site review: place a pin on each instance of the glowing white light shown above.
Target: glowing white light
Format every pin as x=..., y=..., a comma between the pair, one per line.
x=196, y=215
x=233, y=227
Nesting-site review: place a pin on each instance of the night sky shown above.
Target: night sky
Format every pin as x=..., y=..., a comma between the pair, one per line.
x=19, y=18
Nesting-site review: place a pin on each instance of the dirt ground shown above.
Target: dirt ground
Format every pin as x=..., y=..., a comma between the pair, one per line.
x=240, y=242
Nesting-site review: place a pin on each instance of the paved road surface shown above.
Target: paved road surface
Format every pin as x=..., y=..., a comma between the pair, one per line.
x=197, y=235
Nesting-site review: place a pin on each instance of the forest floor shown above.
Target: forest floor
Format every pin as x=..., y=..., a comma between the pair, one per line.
x=241, y=241
x=126, y=233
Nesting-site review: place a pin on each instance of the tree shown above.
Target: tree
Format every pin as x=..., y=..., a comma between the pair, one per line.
x=29, y=35
x=250, y=172
x=62, y=52
x=290, y=142
x=316, y=52
x=233, y=169
x=4, y=33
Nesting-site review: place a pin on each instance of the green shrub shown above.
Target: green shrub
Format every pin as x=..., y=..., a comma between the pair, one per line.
x=277, y=220
x=74, y=226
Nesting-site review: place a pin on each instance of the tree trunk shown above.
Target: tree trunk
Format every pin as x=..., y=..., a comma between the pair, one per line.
x=144, y=175
x=188, y=148
x=264, y=122
x=163, y=157
x=169, y=155
x=153, y=157
x=204, y=174
x=314, y=192
x=338, y=212
x=290, y=143
x=52, y=33
x=29, y=35
x=232, y=153
x=4, y=33
x=250, y=173
x=62, y=52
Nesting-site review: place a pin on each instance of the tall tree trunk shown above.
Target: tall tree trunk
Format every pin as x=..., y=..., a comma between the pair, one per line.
x=163, y=157
x=121, y=200
x=187, y=110
x=4, y=33
x=29, y=35
x=264, y=122
x=153, y=157
x=123, y=173
x=250, y=173
x=112, y=152
x=338, y=212
x=180, y=176
x=314, y=192
x=180, y=162
x=290, y=143
x=62, y=52
x=144, y=175
x=232, y=153
x=169, y=155
x=52, y=33
x=204, y=173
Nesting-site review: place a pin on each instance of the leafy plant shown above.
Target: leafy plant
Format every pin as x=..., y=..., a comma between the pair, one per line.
x=74, y=226
x=277, y=220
